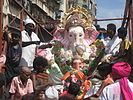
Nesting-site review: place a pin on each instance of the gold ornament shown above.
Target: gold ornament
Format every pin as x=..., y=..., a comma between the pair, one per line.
x=76, y=15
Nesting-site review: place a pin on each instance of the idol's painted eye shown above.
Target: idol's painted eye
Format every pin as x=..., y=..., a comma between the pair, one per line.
x=70, y=35
x=80, y=35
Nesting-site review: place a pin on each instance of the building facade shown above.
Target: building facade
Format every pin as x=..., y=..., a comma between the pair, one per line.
x=43, y=10
x=16, y=11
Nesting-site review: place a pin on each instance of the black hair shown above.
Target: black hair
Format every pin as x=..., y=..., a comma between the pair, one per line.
x=2, y=79
x=122, y=30
x=105, y=68
x=39, y=61
x=15, y=33
x=112, y=26
x=67, y=97
x=74, y=89
x=97, y=27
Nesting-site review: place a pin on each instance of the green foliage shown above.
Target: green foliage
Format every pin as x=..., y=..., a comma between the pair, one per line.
x=62, y=62
x=92, y=64
x=65, y=64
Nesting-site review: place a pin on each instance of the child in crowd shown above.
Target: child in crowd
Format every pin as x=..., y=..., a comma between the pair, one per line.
x=74, y=89
x=14, y=52
x=50, y=77
x=40, y=77
x=41, y=82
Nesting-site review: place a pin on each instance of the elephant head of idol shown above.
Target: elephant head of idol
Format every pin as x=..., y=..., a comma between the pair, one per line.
x=77, y=33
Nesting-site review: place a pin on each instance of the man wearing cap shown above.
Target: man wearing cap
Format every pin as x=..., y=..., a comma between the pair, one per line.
x=122, y=89
x=29, y=43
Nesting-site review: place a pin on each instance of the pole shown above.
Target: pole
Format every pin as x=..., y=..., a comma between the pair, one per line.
x=110, y=19
x=1, y=24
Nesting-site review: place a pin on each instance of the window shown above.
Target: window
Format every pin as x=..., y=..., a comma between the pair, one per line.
x=90, y=5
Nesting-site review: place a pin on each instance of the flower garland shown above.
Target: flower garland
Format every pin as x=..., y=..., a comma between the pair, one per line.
x=90, y=63
x=63, y=63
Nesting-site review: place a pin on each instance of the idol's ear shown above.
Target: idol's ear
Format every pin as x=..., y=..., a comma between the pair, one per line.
x=61, y=35
x=90, y=35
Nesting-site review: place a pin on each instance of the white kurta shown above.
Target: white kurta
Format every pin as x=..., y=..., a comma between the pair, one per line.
x=113, y=92
x=28, y=52
x=113, y=45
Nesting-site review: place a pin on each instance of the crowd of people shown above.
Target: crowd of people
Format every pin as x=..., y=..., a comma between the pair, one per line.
x=26, y=76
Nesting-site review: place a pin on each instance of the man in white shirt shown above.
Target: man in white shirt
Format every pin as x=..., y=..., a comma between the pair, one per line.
x=113, y=45
x=29, y=43
x=112, y=42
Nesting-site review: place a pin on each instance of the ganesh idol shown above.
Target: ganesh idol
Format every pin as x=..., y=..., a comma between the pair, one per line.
x=74, y=38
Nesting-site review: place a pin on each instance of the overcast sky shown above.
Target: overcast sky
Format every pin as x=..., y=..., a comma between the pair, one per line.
x=110, y=9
